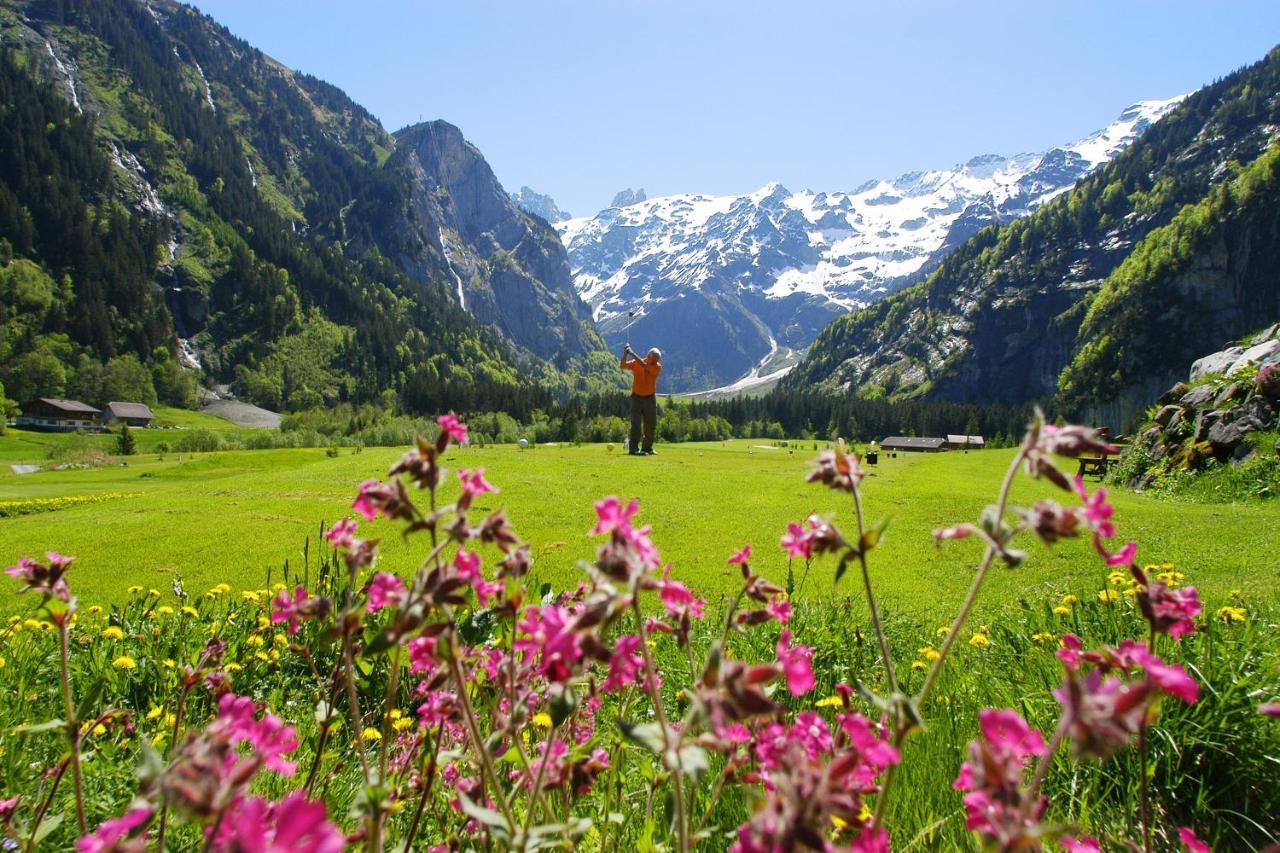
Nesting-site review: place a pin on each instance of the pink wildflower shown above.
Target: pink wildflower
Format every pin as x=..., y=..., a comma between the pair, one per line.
x=386, y=590
x=269, y=737
x=779, y=608
x=1270, y=709
x=797, y=542
x=1168, y=677
x=364, y=502
x=742, y=556
x=293, y=825
x=474, y=483
x=874, y=747
x=112, y=834
x=1084, y=844
x=49, y=579
x=422, y=655
x=342, y=534
x=613, y=515
x=678, y=598
x=797, y=666
x=1192, y=842
x=550, y=631
x=624, y=664
x=288, y=609
x=452, y=427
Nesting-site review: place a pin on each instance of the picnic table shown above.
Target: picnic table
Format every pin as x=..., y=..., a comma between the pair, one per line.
x=1096, y=465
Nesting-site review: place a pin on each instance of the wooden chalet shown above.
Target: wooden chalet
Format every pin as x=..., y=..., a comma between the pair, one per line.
x=53, y=414
x=966, y=442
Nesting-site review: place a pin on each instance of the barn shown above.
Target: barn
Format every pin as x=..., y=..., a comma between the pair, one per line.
x=133, y=414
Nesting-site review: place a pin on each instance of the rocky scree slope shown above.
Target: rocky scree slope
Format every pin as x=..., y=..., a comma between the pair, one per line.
x=1230, y=399
x=1000, y=318
x=728, y=283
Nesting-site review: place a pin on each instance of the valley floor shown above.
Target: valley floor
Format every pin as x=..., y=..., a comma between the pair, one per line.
x=237, y=516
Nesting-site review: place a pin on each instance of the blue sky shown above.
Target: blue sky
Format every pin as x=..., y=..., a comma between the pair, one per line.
x=582, y=98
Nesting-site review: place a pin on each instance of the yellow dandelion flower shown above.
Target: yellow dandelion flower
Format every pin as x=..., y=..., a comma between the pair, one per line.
x=256, y=641
x=396, y=806
x=402, y=724
x=164, y=610
x=1, y=663
x=830, y=702
x=979, y=640
x=155, y=712
x=232, y=666
x=1108, y=596
x=95, y=609
x=929, y=653
x=153, y=592
x=280, y=640
x=837, y=822
x=124, y=662
x=99, y=730
x=158, y=738
x=188, y=610
x=1236, y=593
x=1042, y=637
x=134, y=590
x=263, y=622
x=371, y=734
x=943, y=631
x=395, y=713
x=278, y=587
x=1069, y=600
x=865, y=814
x=543, y=720
x=168, y=720
x=1062, y=610
x=1231, y=614
x=1118, y=578
x=262, y=656
x=33, y=624
x=919, y=664
x=113, y=633
x=249, y=595
x=169, y=663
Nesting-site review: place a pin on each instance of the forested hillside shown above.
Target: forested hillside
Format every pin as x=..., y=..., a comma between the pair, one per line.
x=1002, y=316
x=194, y=205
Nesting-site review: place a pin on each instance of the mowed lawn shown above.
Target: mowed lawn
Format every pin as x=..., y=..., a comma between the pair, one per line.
x=232, y=516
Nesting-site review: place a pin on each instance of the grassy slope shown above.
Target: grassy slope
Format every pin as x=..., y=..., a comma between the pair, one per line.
x=229, y=516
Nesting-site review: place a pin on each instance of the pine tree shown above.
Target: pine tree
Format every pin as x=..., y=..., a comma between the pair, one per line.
x=126, y=444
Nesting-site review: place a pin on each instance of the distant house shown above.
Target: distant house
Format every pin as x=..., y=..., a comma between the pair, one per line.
x=916, y=445
x=57, y=415
x=133, y=414
x=966, y=442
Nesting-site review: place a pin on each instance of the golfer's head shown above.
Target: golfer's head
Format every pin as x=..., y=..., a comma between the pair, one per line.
x=654, y=355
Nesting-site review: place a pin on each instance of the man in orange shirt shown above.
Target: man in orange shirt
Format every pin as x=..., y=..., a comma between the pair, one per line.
x=644, y=401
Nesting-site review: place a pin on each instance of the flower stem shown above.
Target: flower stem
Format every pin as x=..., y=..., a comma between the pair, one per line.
x=473, y=730
x=651, y=684
x=426, y=792
x=73, y=727
x=871, y=598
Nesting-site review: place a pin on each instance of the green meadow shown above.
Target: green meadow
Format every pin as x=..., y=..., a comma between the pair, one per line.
x=236, y=516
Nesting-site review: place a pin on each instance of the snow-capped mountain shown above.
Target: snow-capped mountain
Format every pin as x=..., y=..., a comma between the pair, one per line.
x=531, y=201
x=734, y=287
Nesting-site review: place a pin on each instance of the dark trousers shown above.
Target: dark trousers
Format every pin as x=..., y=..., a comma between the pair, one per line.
x=644, y=411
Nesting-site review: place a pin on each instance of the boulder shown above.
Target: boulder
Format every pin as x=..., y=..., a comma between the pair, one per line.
x=1266, y=352
x=1198, y=396
x=1166, y=415
x=1258, y=408
x=1173, y=395
x=1234, y=391
x=1225, y=437
x=1267, y=334
x=1219, y=362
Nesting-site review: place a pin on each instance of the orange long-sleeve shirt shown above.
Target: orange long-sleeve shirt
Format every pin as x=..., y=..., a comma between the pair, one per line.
x=644, y=378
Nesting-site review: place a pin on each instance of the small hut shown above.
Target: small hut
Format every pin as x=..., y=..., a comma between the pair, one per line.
x=912, y=444
x=966, y=442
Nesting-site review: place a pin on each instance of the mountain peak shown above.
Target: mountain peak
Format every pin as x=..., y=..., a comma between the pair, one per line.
x=628, y=197
x=531, y=201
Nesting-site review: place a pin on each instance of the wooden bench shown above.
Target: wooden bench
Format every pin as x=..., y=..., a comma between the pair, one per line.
x=1096, y=465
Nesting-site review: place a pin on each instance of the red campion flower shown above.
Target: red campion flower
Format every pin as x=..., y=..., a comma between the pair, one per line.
x=38, y=577
x=293, y=825
x=997, y=806
x=1170, y=611
x=452, y=427
x=113, y=836
x=386, y=590
x=797, y=665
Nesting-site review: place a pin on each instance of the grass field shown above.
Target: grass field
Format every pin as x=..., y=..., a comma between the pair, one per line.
x=233, y=516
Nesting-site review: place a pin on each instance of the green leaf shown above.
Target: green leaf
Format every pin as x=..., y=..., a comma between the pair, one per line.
x=843, y=565
x=486, y=816
x=41, y=728
x=871, y=538
x=384, y=640
x=90, y=698
x=648, y=735
x=48, y=825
